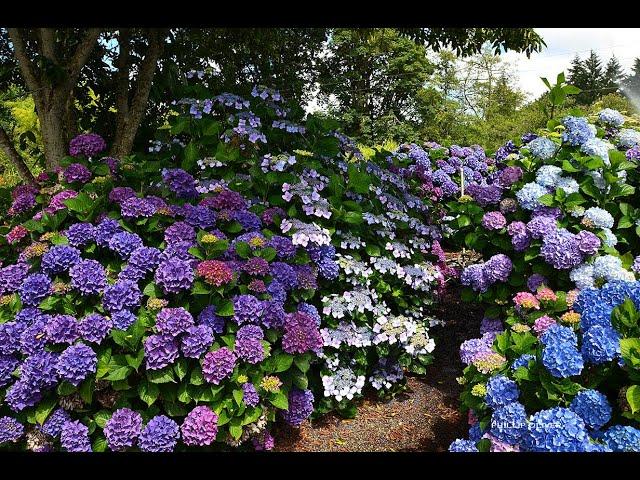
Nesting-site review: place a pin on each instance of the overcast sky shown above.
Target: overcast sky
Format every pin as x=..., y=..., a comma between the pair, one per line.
x=564, y=43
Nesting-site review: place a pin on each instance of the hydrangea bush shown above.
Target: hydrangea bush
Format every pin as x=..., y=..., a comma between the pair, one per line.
x=367, y=224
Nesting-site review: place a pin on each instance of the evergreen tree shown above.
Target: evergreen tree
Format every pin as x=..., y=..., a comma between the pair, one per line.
x=593, y=80
x=632, y=82
x=613, y=76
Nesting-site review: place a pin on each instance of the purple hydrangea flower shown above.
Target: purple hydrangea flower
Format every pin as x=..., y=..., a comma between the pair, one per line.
x=122, y=429
x=10, y=430
x=8, y=364
x=124, y=243
x=247, y=309
x=80, y=234
x=200, y=427
x=493, y=221
x=160, y=435
x=134, y=207
x=59, y=259
x=561, y=250
x=53, y=425
x=35, y=288
x=74, y=437
x=123, y=295
x=249, y=395
x=106, y=229
x=39, y=369
x=218, y=365
x=62, y=329
x=588, y=242
x=75, y=363
x=300, y=407
x=76, y=172
x=248, y=345
x=209, y=318
x=122, y=319
x=301, y=333
x=95, y=328
x=12, y=276
x=174, y=275
x=285, y=274
x=285, y=249
x=196, y=341
x=87, y=144
x=180, y=182
x=22, y=394
x=173, y=321
x=120, y=194
x=160, y=351
x=88, y=277
x=180, y=232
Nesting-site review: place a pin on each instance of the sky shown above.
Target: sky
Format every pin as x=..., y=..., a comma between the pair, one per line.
x=562, y=46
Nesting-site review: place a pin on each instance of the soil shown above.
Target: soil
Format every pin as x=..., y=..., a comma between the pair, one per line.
x=425, y=417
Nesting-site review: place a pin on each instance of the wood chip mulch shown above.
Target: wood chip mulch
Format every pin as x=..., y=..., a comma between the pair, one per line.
x=423, y=418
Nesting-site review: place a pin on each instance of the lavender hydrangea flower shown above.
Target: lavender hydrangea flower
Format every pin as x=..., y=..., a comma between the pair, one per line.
x=122, y=429
x=561, y=250
x=75, y=363
x=88, y=277
x=493, y=221
x=200, y=427
x=11, y=277
x=8, y=364
x=160, y=435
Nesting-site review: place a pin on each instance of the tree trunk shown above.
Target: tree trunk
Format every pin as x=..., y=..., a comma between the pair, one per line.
x=53, y=116
x=130, y=114
x=14, y=157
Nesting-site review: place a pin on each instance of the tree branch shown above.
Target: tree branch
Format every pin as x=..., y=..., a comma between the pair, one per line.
x=48, y=43
x=81, y=55
x=14, y=157
x=26, y=67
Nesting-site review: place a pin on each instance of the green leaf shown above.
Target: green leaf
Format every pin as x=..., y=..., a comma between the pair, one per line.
x=191, y=156
x=81, y=203
x=358, y=181
x=148, y=392
x=164, y=375
x=86, y=390
x=225, y=309
x=282, y=362
x=243, y=249
x=302, y=363
x=546, y=199
x=99, y=444
x=200, y=288
x=44, y=408
x=633, y=397
x=151, y=290
x=196, y=252
x=237, y=396
x=279, y=400
x=355, y=218
x=373, y=250
x=181, y=368
x=196, y=377
x=463, y=221
x=235, y=428
x=119, y=373
x=102, y=417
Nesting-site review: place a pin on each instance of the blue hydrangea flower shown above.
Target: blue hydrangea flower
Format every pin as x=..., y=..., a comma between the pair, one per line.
x=529, y=194
x=556, y=430
x=600, y=344
x=509, y=423
x=577, y=131
x=593, y=407
x=611, y=117
x=501, y=391
x=542, y=148
x=464, y=446
x=622, y=439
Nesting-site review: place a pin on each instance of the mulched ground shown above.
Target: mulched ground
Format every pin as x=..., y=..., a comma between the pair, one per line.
x=424, y=418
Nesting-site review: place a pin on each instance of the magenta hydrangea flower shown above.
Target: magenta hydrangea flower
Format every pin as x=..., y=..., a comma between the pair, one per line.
x=218, y=365
x=200, y=427
x=122, y=429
